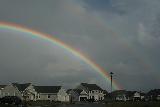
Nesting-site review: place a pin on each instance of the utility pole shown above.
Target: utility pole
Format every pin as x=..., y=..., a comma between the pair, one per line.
x=111, y=74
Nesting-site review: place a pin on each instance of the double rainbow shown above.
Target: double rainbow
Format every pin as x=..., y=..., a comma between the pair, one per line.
x=61, y=44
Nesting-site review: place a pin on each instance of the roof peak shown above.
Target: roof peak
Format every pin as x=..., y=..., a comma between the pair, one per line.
x=21, y=87
x=91, y=86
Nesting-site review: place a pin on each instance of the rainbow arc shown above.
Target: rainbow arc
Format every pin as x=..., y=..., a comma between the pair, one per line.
x=61, y=44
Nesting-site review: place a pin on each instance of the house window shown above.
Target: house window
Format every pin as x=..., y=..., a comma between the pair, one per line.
x=90, y=97
x=6, y=94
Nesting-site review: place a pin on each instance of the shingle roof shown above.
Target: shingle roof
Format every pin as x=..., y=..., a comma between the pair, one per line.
x=123, y=92
x=154, y=92
x=78, y=91
x=21, y=87
x=69, y=90
x=91, y=86
x=47, y=89
x=130, y=93
x=119, y=92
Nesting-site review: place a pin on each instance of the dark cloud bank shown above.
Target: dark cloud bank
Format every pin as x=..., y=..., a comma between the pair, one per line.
x=121, y=36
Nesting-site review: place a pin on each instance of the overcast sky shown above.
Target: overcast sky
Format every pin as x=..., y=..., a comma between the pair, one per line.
x=122, y=36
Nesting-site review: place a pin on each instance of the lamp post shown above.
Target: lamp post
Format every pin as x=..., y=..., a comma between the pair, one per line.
x=111, y=74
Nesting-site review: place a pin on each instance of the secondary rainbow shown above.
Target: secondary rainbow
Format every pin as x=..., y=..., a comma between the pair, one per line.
x=55, y=41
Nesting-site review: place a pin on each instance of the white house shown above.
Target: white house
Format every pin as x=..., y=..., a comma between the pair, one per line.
x=93, y=91
x=63, y=96
x=47, y=92
x=30, y=92
x=22, y=91
x=52, y=93
x=1, y=88
x=136, y=96
x=123, y=95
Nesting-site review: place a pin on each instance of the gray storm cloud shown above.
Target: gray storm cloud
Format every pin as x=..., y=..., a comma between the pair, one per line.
x=121, y=37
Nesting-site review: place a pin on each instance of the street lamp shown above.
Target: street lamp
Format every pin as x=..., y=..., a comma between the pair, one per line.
x=111, y=74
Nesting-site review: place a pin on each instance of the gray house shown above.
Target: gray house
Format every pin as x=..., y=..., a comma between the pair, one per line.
x=153, y=95
x=93, y=91
x=77, y=95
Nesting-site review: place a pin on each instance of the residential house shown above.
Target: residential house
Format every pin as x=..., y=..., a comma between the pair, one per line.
x=94, y=91
x=63, y=96
x=47, y=92
x=77, y=95
x=23, y=91
x=123, y=95
x=153, y=95
x=52, y=93
x=119, y=95
x=137, y=96
x=1, y=88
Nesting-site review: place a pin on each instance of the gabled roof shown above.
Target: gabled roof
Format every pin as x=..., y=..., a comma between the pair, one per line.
x=105, y=92
x=78, y=91
x=119, y=92
x=47, y=89
x=69, y=90
x=91, y=86
x=130, y=93
x=123, y=92
x=154, y=92
x=21, y=87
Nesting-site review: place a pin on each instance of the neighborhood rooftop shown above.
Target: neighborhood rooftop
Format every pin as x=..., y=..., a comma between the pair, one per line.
x=47, y=89
x=91, y=86
x=21, y=87
x=30, y=92
x=78, y=91
x=83, y=92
